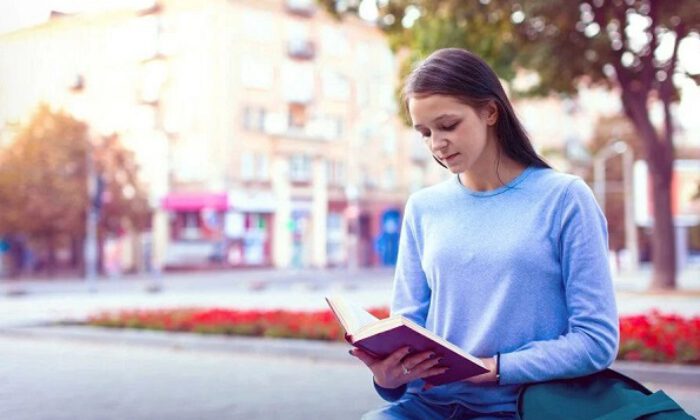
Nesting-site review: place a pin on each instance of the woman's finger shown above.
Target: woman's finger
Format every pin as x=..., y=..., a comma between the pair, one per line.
x=363, y=356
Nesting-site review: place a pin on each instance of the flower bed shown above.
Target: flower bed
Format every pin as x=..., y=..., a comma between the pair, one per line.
x=315, y=325
x=653, y=337
x=658, y=337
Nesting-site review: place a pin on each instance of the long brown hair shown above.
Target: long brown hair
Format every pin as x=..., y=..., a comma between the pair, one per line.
x=463, y=75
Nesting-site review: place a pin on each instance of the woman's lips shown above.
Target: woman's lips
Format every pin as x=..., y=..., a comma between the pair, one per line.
x=451, y=158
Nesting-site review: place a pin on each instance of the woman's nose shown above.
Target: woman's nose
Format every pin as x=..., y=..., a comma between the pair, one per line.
x=437, y=142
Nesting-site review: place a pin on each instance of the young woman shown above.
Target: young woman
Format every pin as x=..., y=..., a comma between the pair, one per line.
x=507, y=259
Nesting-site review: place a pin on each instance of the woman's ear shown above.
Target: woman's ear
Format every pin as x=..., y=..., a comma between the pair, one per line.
x=491, y=113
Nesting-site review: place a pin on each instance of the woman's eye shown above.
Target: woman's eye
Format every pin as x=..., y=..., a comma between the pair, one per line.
x=449, y=127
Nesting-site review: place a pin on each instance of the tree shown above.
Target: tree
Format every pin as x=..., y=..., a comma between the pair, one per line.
x=629, y=45
x=42, y=181
x=43, y=184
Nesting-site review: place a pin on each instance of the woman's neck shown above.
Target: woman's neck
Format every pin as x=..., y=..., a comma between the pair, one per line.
x=494, y=175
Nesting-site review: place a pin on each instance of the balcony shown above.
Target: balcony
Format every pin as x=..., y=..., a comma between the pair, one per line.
x=304, y=8
x=301, y=49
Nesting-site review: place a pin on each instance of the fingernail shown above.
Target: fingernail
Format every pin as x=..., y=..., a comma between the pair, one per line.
x=351, y=353
x=431, y=355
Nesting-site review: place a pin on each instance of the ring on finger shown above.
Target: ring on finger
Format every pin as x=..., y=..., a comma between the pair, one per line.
x=406, y=371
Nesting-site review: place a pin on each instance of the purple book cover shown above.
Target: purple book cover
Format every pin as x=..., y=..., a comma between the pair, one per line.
x=383, y=344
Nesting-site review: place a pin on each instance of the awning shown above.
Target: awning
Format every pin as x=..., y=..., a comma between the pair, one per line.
x=195, y=201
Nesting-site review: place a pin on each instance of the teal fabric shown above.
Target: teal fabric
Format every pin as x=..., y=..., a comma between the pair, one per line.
x=607, y=395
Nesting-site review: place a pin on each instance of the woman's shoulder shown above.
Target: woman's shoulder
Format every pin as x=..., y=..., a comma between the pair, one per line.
x=553, y=180
x=431, y=193
x=565, y=189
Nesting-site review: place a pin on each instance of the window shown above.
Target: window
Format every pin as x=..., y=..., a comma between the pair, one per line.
x=297, y=115
x=254, y=118
x=301, y=48
x=304, y=8
x=262, y=167
x=247, y=166
x=299, y=43
x=335, y=173
x=300, y=168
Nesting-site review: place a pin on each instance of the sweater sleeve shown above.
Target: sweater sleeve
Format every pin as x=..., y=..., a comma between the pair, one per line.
x=411, y=294
x=591, y=341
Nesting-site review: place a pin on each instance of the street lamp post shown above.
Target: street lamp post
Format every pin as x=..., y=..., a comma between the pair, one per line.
x=599, y=187
x=90, y=252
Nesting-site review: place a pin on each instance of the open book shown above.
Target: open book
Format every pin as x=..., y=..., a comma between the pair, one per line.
x=381, y=337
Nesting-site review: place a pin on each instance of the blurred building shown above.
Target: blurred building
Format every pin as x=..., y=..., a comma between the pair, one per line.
x=266, y=130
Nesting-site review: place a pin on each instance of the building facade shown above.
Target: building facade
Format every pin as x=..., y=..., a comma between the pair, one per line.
x=266, y=131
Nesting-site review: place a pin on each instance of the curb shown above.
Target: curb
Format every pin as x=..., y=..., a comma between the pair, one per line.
x=657, y=373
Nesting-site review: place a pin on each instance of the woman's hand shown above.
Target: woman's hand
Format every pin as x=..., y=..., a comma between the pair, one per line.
x=400, y=367
x=489, y=376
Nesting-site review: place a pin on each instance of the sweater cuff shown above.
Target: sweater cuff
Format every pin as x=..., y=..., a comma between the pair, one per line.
x=390, y=394
x=509, y=374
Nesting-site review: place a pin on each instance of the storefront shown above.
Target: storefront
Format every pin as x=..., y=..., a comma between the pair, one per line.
x=218, y=229
x=249, y=228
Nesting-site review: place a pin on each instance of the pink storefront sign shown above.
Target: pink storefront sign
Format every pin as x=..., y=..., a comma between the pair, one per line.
x=195, y=201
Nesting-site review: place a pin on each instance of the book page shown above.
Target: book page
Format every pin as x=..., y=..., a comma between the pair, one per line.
x=351, y=316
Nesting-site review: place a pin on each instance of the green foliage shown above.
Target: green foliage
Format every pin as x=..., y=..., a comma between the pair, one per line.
x=563, y=42
x=631, y=45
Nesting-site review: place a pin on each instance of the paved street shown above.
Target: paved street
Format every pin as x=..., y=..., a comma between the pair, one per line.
x=56, y=379
x=53, y=379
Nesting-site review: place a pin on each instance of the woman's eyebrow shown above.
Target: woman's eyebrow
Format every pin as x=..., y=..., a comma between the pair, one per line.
x=437, y=119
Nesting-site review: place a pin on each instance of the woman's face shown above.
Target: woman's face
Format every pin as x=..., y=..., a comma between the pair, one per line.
x=457, y=134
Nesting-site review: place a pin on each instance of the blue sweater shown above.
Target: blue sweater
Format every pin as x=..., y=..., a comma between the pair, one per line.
x=521, y=270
